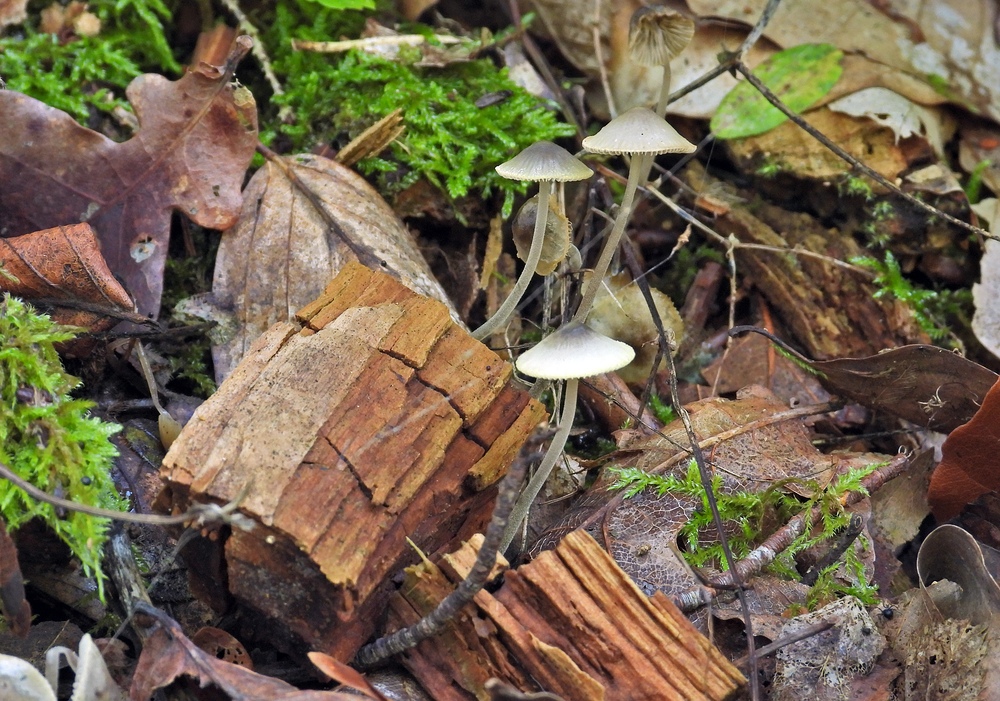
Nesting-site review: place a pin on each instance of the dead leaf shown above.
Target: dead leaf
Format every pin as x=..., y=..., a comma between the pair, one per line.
x=282, y=252
x=168, y=655
x=16, y=609
x=950, y=42
x=20, y=681
x=340, y=672
x=13, y=12
x=890, y=109
x=62, y=269
x=198, y=135
x=822, y=667
x=986, y=295
x=969, y=465
x=926, y=385
x=223, y=646
x=93, y=681
x=951, y=553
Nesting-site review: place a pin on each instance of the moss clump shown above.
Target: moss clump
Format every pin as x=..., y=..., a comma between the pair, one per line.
x=746, y=511
x=49, y=438
x=89, y=73
x=448, y=139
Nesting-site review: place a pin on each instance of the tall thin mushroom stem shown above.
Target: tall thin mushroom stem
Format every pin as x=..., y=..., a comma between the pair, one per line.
x=636, y=172
x=520, y=510
x=503, y=314
x=661, y=103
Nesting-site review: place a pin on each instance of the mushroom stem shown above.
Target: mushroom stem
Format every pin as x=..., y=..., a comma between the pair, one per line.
x=520, y=510
x=503, y=314
x=636, y=171
x=661, y=104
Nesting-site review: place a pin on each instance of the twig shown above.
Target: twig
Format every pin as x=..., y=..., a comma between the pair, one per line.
x=706, y=482
x=258, y=45
x=764, y=554
x=333, y=47
x=199, y=514
x=854, y=162
x=595, y=29
x=807, y=632
x=434, y=622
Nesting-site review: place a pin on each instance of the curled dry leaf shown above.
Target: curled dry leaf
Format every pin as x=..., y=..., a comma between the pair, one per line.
x=16, y=609
x=168, y=655
x=951, y=553
x=970, y=463
x=284, y=250
x=64, y=266
x=197, y=137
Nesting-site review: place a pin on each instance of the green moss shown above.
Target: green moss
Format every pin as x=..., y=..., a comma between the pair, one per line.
x=90, y=72
x=49, y=438
x=448, y=139
x=746, y=511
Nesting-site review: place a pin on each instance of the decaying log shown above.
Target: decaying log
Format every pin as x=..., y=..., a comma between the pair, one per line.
x=570, y=622
x=370, y=419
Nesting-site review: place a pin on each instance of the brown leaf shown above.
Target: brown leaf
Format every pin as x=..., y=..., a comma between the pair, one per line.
x=970, y=463
x=283, y=250
x=198, y=135
x=13, y=12
x=340, y=672
x=16, y=609
x=64, y=266
x=168, y=654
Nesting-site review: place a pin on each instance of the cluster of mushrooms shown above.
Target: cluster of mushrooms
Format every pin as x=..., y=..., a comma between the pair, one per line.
x=577, y=349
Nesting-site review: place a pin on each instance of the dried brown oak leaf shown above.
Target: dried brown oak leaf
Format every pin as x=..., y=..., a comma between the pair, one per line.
x=969, y=461
x=196, y=140
x=13, y=12
x=62, y=269
x=168, y=656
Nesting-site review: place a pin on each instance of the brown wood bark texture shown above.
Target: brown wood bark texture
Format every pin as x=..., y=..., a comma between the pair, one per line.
x=570, y=622
x=370, y=419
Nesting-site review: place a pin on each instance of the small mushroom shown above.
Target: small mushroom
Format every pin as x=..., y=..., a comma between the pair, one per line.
x=639, y=133
x=620, y=312
x=573, y=352
x=555, y=244
x=657, y=34
x=546, y=163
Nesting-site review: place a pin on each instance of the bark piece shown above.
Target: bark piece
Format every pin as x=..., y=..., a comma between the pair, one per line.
x=570, y=622
x=370, y=419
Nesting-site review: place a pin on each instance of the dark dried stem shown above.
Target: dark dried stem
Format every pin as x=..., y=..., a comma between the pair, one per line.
x=434, y=622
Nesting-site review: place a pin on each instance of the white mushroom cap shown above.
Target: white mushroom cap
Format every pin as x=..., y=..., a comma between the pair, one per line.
x=640, y=130
x=544, y=160
x=572, y=352
x=656, y=34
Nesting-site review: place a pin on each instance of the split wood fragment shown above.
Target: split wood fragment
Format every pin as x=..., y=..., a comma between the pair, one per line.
x=571, y=622
x=369, y=419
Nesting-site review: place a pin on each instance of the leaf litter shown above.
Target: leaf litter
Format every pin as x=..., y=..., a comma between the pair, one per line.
x=922, y=384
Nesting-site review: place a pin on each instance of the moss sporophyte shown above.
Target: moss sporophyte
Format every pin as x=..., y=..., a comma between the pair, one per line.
x=49, y=438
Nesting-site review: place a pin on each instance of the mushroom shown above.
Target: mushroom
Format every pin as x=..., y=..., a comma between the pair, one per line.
x=657, y=34
x=546, y=163
x=556, y=240
x=639, y=133
x=620, y=312
x=573, y=352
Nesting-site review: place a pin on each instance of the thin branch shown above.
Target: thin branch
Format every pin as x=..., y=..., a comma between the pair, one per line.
x=706, y=482
x=766, y=553
x=199, y=514
x=854, y=162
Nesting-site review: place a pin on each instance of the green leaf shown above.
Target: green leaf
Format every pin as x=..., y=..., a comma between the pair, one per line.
x=799, y=76
x=347, y=4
